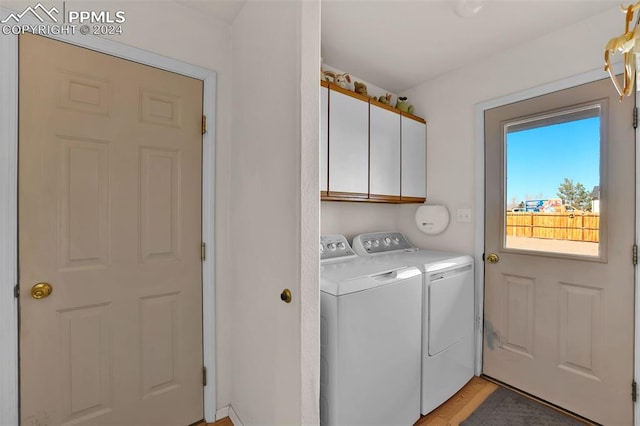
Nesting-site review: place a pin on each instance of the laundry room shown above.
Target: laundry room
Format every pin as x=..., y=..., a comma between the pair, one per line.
x=390, y=69
x=391, y=300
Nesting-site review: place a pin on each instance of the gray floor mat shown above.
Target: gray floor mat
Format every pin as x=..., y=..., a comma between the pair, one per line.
x=507, y=408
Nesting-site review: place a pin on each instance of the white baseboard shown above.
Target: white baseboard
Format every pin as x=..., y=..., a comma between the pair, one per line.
x=234, y=417
x=229, y=412
x=223, y=412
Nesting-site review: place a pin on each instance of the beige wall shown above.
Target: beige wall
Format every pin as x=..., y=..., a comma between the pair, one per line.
x=350, y=219
x=274, y=159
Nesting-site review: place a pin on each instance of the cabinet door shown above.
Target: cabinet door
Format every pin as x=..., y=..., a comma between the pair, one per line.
x=348, y=145
x=324, y=140
x=384, y=153
x=414, y=158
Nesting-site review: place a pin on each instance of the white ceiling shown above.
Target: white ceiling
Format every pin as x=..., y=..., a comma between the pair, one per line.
x=398, y=44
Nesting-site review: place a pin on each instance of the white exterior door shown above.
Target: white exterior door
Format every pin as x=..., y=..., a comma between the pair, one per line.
x=110, y=217
x=559, y=307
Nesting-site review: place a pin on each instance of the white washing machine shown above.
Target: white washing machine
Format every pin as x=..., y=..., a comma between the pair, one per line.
x=448, y=312
x=370, y=331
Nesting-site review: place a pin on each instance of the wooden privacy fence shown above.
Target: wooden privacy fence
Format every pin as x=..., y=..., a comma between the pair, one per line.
x=556, y=226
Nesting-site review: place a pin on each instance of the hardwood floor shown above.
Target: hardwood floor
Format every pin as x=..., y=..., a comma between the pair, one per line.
x=452, y=412
x=461, y=405
x=222, y=422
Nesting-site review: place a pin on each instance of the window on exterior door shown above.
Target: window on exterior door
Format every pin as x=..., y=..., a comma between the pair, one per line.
x=552, y=182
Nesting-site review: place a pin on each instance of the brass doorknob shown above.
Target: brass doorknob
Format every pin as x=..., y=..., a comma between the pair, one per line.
x=41, y=290
x=285, y=296
x=493, y=258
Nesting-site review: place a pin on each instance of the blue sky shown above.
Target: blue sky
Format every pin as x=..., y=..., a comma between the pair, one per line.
x=539, y=159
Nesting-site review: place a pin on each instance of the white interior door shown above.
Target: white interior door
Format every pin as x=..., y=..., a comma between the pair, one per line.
x=110, y=217
x=559, y=283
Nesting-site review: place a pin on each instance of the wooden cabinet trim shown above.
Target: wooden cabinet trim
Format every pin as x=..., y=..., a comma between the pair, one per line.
x=413, y=117
x=382, y=200
x=385, y=198
x=359, y=195
x=412, y=199
x=347, y=92
x=324, y=83
x=384, y=106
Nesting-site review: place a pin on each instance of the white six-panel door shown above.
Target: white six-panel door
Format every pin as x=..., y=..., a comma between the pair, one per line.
x=110, y=202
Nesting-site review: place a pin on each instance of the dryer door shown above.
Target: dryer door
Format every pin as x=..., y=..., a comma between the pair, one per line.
x=450, y=308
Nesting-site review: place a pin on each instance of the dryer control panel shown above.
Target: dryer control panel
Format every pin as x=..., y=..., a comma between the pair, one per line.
x=335, y=247
x=381, y=242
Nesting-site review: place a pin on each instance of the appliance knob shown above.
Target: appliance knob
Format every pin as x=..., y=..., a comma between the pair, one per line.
x=331, y=246
x=367, y=244
x=341, y=246
x=376, y=243
x=321, y=248
x=396, y=240
x=387, y=241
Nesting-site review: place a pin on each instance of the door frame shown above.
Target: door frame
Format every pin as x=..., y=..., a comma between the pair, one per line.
x=480, y=108
x=9, y=349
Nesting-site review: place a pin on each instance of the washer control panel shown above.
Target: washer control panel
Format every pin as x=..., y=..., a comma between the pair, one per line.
x=335, y=247
x=381, y=242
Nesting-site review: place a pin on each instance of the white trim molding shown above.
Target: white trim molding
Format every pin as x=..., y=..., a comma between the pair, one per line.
x=9, y=368
x=228, y=411
x=636, y=356
x=9, y=414
x=223, y=412
x=234, y=417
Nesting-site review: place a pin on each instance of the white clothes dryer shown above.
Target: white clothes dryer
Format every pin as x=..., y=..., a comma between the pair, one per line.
x=370, y=339
x=448, y=312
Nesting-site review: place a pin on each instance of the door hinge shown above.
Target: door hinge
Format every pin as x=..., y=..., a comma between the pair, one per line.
x=634, y=391
x=483, y=257
x=204, y=376
x=203, y=251
x=16, y=291
x=635, y=254
x=204, y=124
x=635, y=117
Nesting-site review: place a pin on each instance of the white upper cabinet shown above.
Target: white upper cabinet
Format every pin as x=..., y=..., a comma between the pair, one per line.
x=348, y=144
x=384, y=153
x=324, y=139
x=369, y=151
x=414, y=158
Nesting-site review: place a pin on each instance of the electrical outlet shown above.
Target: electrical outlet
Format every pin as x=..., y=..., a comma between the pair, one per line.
x=464, y=215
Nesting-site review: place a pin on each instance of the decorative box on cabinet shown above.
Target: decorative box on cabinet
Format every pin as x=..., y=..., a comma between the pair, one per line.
x=363, y=154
